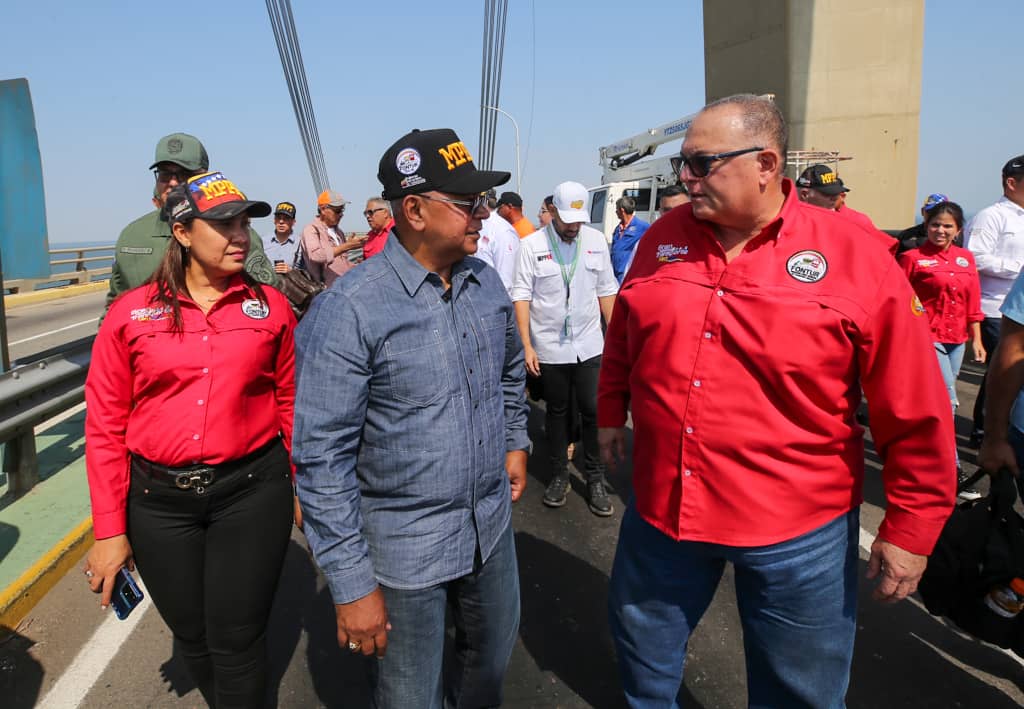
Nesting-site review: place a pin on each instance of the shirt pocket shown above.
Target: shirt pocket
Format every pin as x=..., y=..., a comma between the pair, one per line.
x=493, y=354
x=594, y=262
x=416, y=368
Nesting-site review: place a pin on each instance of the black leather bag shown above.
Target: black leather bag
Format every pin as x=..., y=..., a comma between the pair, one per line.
x=299, y=287
x=981, y=546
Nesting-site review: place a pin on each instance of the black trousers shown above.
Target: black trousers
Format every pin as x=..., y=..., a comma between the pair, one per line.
x=561, y=380
x=989, y=340
x=211, y=563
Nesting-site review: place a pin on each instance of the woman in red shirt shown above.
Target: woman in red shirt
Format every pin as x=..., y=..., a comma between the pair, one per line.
x=189, y=398
x=945, y=280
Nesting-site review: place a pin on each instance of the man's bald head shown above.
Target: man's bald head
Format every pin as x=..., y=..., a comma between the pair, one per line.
x=760, y=119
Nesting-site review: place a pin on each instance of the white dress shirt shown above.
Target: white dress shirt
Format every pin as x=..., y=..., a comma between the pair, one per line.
x=540, y=280
x=498, y=247
x=996, y=238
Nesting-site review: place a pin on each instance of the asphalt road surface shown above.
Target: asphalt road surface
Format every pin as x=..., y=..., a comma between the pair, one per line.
x=36, y=327
x=69, y=654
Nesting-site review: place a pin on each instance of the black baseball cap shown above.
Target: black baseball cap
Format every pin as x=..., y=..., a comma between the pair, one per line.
x=435, y=159
x=823, y=179
x=1014, y=166
x=512, y=199
x=211, y=196
x=285, y=208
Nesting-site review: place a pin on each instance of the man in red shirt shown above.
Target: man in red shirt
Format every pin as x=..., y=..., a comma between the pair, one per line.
x=821, y=186
x=378, y=218
x=742, y=338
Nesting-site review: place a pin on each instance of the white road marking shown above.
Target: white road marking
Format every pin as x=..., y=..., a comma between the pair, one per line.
x=52, y=332
x=94, y=657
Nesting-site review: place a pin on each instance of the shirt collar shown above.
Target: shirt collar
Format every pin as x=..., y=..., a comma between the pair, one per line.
x=1012, y=205
x=412, y=274
x=783, y=223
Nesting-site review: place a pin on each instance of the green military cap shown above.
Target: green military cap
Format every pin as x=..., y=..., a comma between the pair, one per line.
x=182, y=149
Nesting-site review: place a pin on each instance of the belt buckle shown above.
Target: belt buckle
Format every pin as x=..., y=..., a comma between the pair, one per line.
x=196, y=480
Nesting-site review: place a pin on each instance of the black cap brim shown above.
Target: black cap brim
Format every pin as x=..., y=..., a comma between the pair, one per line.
x=230, y=210
x=833, y=189
x=475, y=182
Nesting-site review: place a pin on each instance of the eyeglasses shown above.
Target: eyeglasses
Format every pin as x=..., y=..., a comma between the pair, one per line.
x=700, y=165
x=165, y=175
x=370, y=212
x=478, y=202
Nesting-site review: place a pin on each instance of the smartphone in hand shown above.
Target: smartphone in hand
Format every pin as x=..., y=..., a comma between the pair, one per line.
x=127, y=594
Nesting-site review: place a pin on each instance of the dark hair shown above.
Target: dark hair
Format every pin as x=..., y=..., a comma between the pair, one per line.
x=951, y=208
x=169, y=276
x=761, y=118
x=549, y=201
x=672, y=191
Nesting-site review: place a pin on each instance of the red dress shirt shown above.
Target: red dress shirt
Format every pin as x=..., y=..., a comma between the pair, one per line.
x=744, y=378
x=947, y=283
x=214, y=394
x=375, y=240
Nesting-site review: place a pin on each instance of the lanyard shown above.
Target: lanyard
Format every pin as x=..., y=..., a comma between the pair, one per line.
x=566, y=277
x=557, y=253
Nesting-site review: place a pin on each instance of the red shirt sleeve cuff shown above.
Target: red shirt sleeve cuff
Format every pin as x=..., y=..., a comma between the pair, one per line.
x=912, y=532
x=109, y=524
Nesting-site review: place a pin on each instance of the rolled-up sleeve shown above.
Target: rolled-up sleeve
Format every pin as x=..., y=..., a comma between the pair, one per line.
x=522, y=284
x=332, y=386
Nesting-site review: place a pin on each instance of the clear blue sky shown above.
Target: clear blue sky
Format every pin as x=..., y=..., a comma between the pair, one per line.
x=109, y=78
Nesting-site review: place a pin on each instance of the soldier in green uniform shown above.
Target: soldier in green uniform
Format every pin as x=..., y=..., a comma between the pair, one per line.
x=141, y=244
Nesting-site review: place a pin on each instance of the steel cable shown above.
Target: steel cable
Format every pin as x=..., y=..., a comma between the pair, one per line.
x=283, y=25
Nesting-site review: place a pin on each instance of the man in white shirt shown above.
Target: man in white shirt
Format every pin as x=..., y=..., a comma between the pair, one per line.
x=498, y=246
x=563, y=286
x=996, y=238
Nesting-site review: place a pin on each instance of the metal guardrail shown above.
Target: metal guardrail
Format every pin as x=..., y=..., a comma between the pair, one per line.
x=30, y=394
x=81, y=274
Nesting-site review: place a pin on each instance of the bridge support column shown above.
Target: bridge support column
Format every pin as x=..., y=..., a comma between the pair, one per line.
x=21, y=463
x=847, y=76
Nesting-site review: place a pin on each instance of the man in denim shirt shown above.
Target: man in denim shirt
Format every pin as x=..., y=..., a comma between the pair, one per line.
x=410, y=438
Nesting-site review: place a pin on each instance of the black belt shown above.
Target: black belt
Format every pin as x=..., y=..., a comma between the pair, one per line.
x=198, y=477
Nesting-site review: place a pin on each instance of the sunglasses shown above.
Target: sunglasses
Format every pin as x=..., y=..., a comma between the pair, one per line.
x=700, y=165
x=478, y=202
x=336, y=210
x=165, y=175
x=370, y=212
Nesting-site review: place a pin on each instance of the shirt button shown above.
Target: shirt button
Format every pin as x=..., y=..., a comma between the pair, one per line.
x=689, y=429
x=463, y=334
x=719, y=292
x=707, y=335
x=696, y=383
x=687, y=473
x=480, y=442
x=205, y=338
x=195, y=436
x=206, y=370
x=200, y=402
x=471, y=371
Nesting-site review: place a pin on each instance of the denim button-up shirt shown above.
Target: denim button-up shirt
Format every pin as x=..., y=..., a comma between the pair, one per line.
x=407, y=401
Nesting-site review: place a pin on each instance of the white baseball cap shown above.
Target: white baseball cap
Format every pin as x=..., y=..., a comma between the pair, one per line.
x=570, y=199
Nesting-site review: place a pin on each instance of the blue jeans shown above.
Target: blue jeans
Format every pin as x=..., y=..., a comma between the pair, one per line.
x=797, y=603
x=950, y=358
x=485, y=608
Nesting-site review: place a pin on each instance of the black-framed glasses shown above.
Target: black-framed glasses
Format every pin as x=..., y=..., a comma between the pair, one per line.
x=700, y=165
x=164, y=175
x=478, y=202
x=370, y=212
